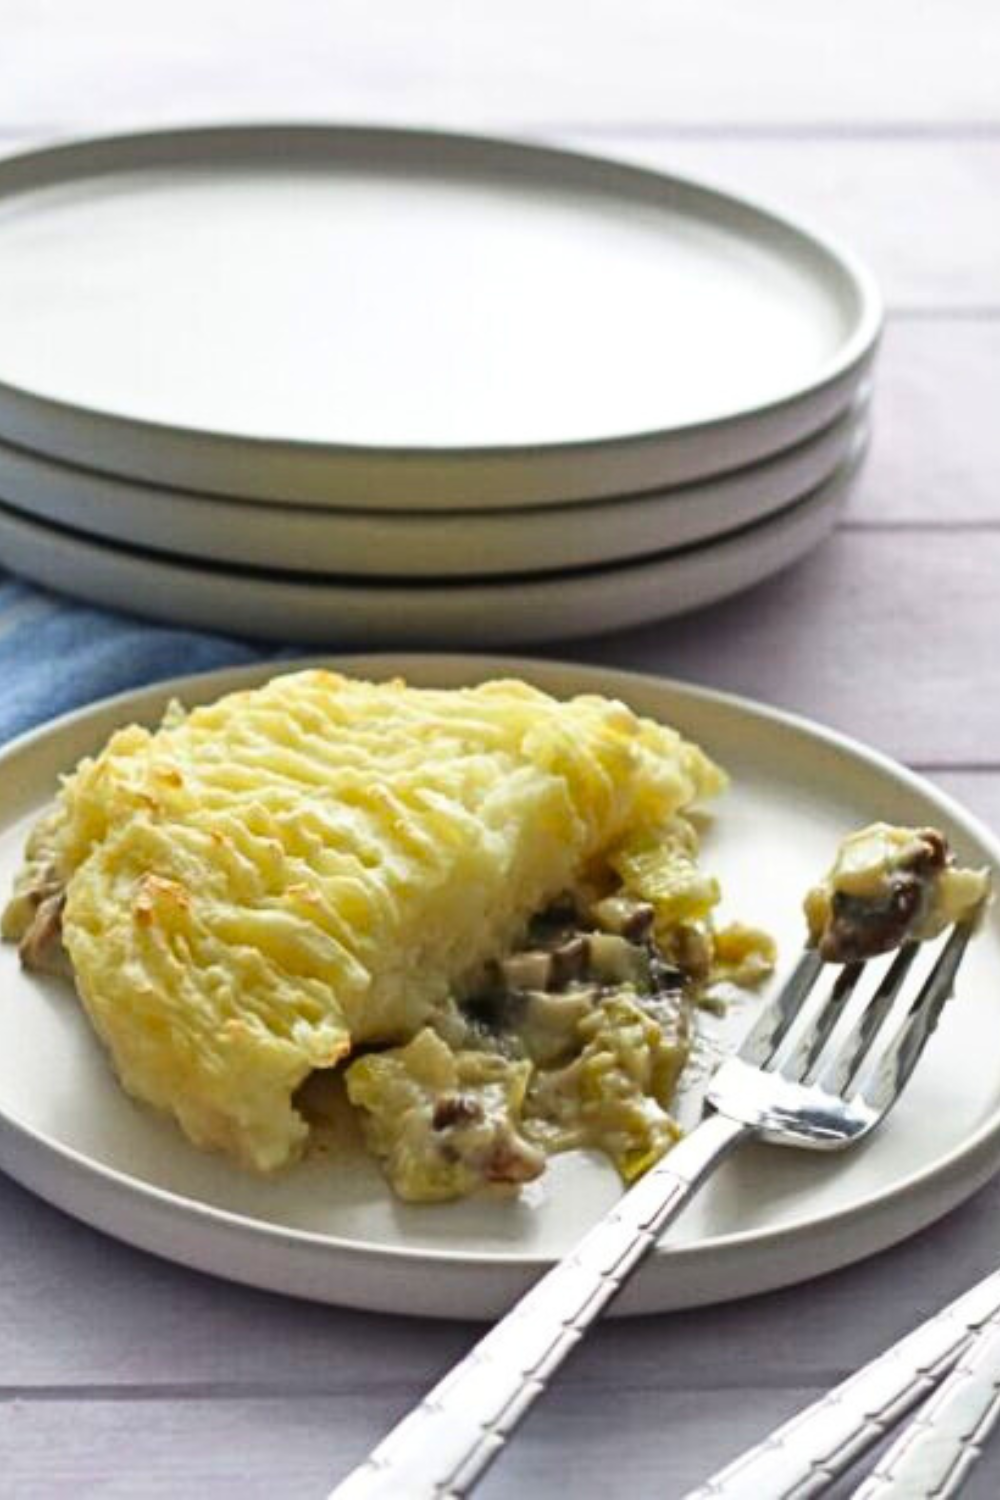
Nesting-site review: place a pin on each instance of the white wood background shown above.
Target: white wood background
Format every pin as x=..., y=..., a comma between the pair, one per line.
x=123, y=1376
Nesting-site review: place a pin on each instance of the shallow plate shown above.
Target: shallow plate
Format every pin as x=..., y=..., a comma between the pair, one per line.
x=400, y=318
x=330, y=1230
x=418, y=544
x=544, y=607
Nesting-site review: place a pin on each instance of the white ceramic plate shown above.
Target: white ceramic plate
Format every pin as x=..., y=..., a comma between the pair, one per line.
x=395, y=318
x=345, y=613
x=330, y=1230
x=415, y=544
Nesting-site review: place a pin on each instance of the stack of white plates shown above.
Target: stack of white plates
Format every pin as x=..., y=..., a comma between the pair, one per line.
x=377, y=385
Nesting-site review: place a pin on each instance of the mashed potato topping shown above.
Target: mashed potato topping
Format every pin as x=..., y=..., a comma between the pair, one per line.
x=321, y=868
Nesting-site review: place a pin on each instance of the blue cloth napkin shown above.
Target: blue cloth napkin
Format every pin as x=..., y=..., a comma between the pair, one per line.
x=56, y=654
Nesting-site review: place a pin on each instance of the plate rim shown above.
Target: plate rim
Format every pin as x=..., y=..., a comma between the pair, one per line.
x=312, y=610
x=114, y=496
x=121, y=1183
x=48, y=414
x=829, y=491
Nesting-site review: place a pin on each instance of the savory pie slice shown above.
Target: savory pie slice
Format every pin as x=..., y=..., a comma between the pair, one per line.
x=321, y=868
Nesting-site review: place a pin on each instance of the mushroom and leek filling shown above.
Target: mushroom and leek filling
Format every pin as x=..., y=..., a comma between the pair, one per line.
x=480, y=907
x=890, y=885
x=577, y=1039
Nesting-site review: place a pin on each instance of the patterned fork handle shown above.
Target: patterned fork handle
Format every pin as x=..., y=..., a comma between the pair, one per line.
x=446, y=1443
x=801, y=1459
x=936, y=1452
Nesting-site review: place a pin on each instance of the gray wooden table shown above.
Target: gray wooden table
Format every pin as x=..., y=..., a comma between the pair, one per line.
x=123, y=1376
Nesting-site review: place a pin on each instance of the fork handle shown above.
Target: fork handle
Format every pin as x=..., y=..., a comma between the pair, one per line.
x=803, y=1458
x=446, y=1444
x=935, y=1453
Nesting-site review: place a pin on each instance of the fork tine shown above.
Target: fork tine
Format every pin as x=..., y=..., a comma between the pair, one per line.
x=923, y=1022
x=839, y=1060
x=905, y=1032
x=815, y=1019
x=843, y=988
x=770, y=1030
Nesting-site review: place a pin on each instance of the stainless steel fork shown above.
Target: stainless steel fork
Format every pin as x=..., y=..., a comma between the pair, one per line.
x=821, y=1069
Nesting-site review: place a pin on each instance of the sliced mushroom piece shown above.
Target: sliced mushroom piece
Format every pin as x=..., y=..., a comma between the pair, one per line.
x=41, y=948
x=570, y=961
x=932, y=852
x=626, y=917
x=456, y=1109
x=861, y=927
x=690, y=949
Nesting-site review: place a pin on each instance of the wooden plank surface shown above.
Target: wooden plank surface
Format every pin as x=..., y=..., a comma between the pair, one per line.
x=935, y=454
x=706, y=66
x=262, y=1450
x=831, y=637
x=124, y=1376
x=290, y=1449
x=978, y=790
x=884, y=197
x=150, y=1327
